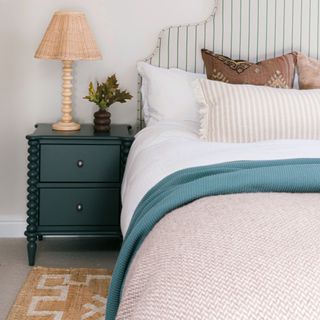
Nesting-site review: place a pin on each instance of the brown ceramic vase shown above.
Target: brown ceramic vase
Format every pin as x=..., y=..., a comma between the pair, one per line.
x=102, y=121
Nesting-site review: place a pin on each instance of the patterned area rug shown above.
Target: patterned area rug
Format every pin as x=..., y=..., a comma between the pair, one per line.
x=62, y=294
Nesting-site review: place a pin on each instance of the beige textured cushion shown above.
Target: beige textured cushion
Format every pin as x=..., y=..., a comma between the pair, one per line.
x=277, y=72
x=245, y=113
x=308, y=71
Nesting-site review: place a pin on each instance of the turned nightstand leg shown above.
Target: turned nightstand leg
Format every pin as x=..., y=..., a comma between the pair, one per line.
x=32, y=249
x=33, y=200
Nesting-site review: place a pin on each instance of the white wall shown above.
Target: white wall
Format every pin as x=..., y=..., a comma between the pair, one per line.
x=126, y=31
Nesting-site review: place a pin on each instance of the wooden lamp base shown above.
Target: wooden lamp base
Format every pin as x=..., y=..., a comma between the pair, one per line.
x=66, y=126
x=66, y=123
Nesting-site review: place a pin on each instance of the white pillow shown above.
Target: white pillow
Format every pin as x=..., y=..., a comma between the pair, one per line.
x=167, y=95
x=245, y=113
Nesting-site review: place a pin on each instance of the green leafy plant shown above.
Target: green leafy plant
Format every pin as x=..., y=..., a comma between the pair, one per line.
x=107, y=93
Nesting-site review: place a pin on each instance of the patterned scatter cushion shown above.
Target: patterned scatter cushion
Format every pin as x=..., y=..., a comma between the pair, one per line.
x=308, y=71
x=244, y=113
x=278, y=72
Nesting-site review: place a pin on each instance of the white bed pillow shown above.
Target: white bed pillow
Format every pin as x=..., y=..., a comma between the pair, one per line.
x=167, y=95
x=245, y=113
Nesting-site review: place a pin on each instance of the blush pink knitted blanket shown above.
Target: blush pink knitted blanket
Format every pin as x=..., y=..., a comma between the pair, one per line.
x=243, y=256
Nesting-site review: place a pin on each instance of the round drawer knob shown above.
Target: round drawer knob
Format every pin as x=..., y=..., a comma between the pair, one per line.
x=80, y=163
x=79, y=207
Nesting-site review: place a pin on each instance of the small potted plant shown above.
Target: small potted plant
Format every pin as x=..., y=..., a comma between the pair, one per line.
x=104, y=95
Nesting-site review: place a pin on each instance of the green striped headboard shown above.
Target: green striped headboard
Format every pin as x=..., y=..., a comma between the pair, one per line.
x=242, y=29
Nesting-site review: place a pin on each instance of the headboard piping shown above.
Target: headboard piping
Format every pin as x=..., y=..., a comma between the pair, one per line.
x=160, y=36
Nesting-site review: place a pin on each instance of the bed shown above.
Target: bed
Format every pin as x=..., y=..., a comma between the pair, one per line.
x=216, y=230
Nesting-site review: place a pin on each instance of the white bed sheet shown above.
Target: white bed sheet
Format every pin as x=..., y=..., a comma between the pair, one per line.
x=165, y=148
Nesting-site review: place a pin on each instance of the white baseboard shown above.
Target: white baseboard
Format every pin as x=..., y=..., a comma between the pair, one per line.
x=12, y=229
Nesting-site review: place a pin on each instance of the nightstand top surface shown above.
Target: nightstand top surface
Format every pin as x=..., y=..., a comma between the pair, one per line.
x=44, y=130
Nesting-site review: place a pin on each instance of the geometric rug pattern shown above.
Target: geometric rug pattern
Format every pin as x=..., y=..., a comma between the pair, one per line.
x=62, y=294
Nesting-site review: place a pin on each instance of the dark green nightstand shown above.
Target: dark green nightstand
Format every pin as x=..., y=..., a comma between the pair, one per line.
x=74, y=182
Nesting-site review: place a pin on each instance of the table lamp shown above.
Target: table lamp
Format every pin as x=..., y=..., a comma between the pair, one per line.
x=68, y=38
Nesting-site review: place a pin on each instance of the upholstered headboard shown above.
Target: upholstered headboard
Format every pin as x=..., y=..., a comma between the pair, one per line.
x=242, y=29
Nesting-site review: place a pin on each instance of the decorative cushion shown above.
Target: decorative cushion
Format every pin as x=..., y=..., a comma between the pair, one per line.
x=278, y=72
x=245, y=113
x=308, y=71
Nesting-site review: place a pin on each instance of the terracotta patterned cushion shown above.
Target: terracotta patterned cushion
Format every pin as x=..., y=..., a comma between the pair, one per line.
x=278, y=72
x=308, y=71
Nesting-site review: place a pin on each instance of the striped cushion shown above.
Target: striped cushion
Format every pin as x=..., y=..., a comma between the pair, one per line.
x=244, y=113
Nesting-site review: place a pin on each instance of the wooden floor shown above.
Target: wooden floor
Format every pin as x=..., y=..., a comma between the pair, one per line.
x=52, y=252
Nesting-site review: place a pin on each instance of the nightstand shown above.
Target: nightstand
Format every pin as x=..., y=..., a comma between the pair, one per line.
x=74, y=182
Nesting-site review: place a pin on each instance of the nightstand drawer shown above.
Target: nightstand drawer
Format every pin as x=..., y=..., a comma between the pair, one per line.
x=80, y=163
x=79, y=207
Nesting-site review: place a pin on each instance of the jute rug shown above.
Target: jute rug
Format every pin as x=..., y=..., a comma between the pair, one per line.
x=62, y=294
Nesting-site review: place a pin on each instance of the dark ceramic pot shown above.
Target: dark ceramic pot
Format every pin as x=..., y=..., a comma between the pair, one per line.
x=102, y=121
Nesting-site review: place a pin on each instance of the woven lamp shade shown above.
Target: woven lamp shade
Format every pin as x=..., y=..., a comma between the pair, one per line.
x=68, y=37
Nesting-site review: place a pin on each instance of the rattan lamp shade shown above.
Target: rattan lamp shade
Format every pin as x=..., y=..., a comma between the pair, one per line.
x=68, y=37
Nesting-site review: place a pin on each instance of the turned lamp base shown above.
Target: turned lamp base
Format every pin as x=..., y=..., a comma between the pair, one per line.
x=66, y=123
x=66, y=126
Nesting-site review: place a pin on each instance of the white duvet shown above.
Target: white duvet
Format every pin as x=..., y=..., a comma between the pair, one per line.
x=165, y=148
